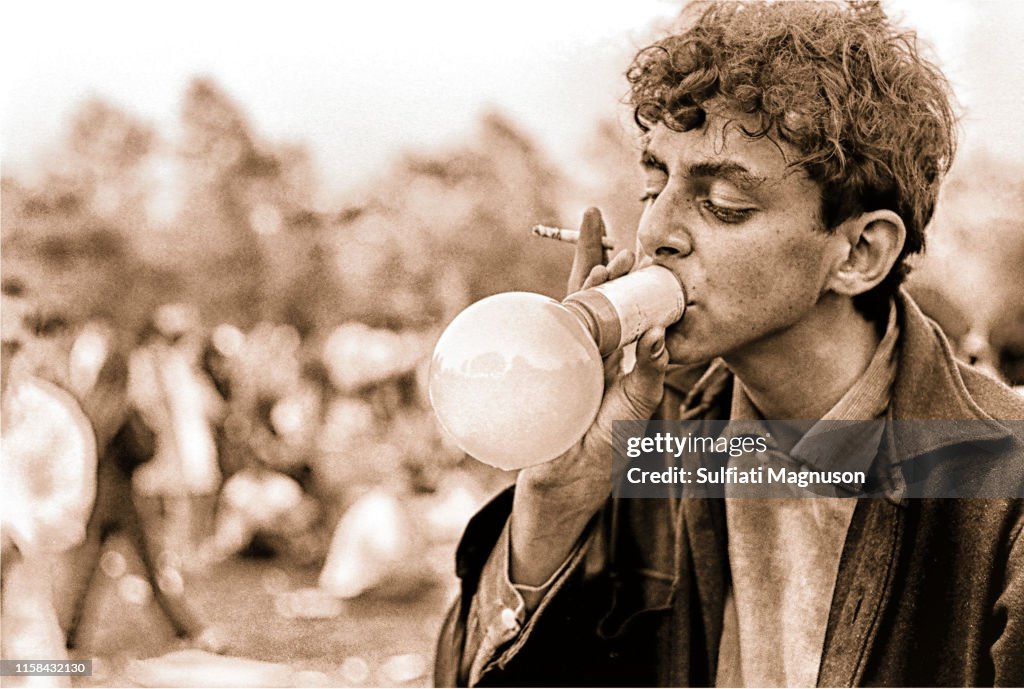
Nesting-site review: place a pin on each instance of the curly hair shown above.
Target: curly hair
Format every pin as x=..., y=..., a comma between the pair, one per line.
x=871, y=118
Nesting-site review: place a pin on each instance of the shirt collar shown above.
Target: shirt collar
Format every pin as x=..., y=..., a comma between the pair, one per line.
x=928, y=386
x=833, y=442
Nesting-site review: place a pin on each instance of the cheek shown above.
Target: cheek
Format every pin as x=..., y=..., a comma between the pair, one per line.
x=769, y=282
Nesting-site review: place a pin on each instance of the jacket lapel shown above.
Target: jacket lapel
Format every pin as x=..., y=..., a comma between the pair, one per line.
x=707, y=552
x=701, y=547
x=928, y=386
x=862, y=591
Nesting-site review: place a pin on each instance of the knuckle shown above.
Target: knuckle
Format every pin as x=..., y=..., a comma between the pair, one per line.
x=635, y=398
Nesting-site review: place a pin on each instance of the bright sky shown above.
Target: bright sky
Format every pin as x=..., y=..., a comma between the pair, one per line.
x=358, y=81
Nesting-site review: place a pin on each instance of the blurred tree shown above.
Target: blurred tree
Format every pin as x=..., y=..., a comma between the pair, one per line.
x=614, y=182
x=106, y=156
x=439, y=231
x=71, y=237
x=235, y=238
x=434, y=233
x=309, y=291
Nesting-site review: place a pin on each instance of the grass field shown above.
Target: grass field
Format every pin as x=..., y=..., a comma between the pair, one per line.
x=370, y=643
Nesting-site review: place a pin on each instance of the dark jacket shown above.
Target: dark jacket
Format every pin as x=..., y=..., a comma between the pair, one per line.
x=929, y=592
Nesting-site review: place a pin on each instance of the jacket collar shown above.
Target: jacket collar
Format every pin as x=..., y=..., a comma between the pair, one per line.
x=929, y=387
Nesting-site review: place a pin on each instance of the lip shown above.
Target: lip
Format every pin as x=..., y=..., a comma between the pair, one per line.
x=678, y=325
x=649, y=261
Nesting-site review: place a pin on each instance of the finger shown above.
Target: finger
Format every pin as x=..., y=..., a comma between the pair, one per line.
x=613, y=366
x=644, y=386
x=589, y=252
x=651, y=351
x=621, y=264
x=598, y=275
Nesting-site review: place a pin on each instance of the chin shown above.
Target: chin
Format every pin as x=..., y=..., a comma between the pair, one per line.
x=688, y=350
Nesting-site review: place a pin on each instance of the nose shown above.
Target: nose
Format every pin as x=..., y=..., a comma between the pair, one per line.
x=662, y=233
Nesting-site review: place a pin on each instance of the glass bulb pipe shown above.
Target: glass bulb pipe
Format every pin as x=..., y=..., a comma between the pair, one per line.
x=517, y=378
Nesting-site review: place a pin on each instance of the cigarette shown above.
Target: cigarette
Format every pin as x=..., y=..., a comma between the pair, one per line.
x=563, y=235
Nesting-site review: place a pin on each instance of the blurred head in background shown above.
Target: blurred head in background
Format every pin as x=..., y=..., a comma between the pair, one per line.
x=37, y=335
x=14, y=332
x=178, y=325
x=971, y=280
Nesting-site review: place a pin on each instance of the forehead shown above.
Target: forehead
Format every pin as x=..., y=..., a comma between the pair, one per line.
x=721, y=140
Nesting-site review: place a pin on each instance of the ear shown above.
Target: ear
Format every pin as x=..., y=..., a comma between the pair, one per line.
x=873, y=242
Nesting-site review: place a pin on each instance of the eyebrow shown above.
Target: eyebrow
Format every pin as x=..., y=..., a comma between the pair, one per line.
x=728, y=170
x=651, y=161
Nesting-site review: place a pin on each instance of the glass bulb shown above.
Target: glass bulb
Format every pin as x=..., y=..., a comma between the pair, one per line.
x=516, y=379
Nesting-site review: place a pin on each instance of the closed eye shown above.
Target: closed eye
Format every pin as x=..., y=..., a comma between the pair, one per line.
x=730, y=216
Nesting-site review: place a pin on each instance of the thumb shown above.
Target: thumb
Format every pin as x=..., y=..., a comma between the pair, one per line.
x=644, y=386
x=589, y=252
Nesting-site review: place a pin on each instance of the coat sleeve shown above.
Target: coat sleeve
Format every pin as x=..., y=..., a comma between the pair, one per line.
x=592, y=627
x=1008, y=650
x=478, y=540
x=488, y=636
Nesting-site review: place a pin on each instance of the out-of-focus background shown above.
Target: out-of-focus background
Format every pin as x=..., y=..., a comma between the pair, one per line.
x=236, y=231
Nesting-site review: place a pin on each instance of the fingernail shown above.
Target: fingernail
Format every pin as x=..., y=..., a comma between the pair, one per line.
x=658, y=348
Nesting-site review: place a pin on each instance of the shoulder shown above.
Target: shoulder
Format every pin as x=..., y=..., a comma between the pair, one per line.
x=996, y=399
x=931, y=383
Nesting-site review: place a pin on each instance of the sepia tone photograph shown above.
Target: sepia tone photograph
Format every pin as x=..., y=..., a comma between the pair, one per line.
x=662, y=343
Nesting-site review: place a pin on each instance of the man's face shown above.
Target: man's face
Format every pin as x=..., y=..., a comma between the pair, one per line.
x=740, y=230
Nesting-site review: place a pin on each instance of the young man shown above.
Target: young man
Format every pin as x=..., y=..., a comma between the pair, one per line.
x=793, y=154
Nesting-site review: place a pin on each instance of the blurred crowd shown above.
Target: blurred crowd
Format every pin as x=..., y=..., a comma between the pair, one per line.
x=249, y=362
x=217, y=442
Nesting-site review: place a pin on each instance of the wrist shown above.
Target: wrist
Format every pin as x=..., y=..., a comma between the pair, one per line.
x=553, y=519
x=540, y=542
x=552, y=493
